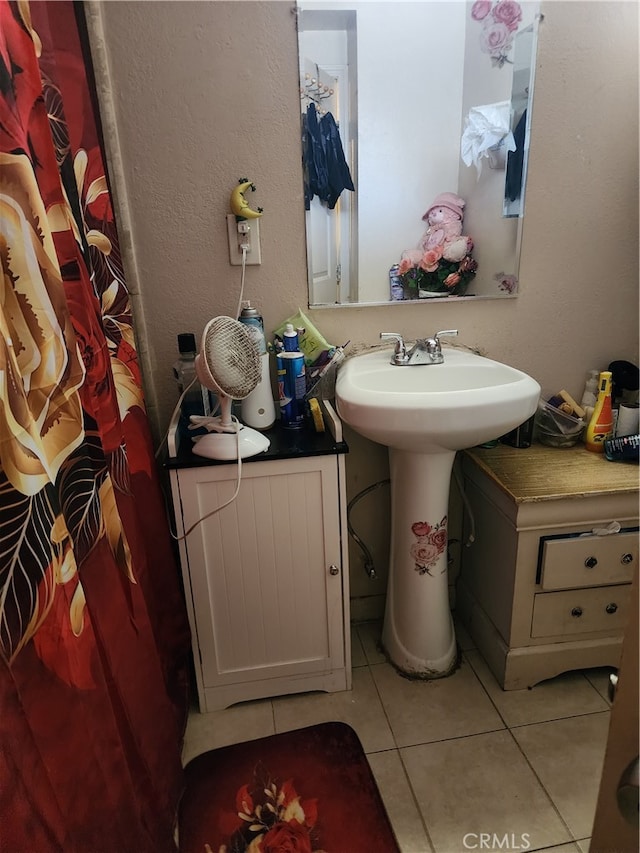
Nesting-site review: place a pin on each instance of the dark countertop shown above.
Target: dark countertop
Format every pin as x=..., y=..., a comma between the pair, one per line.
x=285, y=444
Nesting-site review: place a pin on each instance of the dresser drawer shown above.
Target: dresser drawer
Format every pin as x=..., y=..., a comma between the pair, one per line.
x=580, y=561
x=581, y=611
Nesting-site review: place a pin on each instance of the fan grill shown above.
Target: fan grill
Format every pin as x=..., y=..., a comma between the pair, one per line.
x=231, y=357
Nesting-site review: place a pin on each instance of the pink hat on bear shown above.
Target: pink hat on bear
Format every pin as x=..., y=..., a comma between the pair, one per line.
x=451, y=201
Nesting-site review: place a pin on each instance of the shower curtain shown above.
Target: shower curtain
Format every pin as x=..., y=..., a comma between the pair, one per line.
x=94, y=637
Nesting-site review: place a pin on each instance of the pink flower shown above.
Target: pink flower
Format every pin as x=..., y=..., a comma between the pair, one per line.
x=404, y=266
x=496, y=39
x=507, y=12
x=412, y=255
x=480, y=9
x=425, y=553
x=506, y=282
x=439, y=538
x=421, y=528
x=452, y=279
x=430, y=259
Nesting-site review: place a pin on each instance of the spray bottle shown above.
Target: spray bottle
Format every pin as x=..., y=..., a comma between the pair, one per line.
x=258, y=409
x=601, y=424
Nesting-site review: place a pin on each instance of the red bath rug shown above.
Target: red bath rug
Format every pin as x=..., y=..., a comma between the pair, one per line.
x=306, y=791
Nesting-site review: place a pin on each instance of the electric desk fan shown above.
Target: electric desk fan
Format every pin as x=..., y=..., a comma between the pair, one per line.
x=229, y=365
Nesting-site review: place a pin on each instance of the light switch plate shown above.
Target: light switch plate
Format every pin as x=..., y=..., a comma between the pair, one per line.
x=252, y=237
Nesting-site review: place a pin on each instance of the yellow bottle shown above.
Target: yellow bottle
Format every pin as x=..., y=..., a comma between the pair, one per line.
x=601, y=423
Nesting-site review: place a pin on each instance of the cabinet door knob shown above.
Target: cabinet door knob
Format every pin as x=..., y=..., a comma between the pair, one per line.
x=611, y=608
x=591, y=562
x=577, y=611
x=626, y=559
x=334, y=570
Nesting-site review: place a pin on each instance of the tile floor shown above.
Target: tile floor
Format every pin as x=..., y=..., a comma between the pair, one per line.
x=456, y=757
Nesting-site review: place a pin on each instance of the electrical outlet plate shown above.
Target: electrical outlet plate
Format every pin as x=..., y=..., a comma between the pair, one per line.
x=252, y=237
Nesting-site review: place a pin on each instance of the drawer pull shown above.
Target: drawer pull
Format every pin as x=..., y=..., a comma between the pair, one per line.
x=334, y=570
x=611, y=608
x=591, y=562
x=626, y=559
x=577, y=611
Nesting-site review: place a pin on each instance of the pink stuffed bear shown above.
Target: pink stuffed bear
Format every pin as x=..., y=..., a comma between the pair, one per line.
x=444, y=219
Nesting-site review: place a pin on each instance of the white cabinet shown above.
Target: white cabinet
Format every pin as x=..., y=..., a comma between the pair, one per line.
x=266, y=577
x=545, y=587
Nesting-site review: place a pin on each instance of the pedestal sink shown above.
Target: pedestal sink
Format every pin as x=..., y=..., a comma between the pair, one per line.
x=424, y=413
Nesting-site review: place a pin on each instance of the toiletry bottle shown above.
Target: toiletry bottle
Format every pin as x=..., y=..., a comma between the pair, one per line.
x=258, y=409
x=625, y=448
x=196, y=400
x=601, y=424
x=290, y=338
x=292, y=381
x=252, y=320
x=590, y=394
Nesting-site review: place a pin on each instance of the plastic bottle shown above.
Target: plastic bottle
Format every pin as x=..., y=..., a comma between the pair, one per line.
x=196, y=400
x=601, y=424
x=590, y=394
x=290, y=339
x=625, y=448
x=292, y=381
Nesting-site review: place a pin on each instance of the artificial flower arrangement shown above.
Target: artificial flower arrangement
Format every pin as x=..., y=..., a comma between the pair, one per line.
x=499, y=23
x=442, y=262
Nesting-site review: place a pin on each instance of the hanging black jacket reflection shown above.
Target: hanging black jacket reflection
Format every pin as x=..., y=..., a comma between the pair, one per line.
x=326, y=173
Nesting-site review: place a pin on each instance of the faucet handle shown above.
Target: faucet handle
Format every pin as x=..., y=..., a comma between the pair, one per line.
x=400, y=345
x=400, y=351
x=447, y=333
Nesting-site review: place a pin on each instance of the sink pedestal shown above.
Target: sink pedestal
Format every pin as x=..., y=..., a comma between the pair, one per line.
x=418, y=633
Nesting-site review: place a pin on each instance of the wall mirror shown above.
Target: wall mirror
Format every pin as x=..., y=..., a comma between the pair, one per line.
x=408, y=88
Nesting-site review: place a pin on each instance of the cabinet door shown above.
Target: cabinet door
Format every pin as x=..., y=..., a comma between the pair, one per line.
x=265, y=571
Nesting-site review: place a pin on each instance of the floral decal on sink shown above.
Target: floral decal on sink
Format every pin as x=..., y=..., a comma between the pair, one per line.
x=430, y=544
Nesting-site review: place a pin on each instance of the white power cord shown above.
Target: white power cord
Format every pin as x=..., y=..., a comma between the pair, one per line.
x=226, y=503
x=244, y=247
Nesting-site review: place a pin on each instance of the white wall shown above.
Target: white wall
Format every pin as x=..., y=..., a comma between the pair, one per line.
x=207, y=92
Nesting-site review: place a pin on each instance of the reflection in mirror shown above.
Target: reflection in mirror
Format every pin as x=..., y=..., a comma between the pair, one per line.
x=402, y=82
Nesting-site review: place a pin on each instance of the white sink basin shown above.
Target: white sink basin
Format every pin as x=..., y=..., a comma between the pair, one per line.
x=430, y=408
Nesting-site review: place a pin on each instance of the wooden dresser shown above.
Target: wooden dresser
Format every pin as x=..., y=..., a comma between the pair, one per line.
x=545, y=585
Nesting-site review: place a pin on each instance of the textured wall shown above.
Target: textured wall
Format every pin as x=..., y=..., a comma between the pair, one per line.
x=206, y=92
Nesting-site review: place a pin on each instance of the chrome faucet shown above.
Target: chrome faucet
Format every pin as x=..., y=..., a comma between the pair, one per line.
x=424, y=350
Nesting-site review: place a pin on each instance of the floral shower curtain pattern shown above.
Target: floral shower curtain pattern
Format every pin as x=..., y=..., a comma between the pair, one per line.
x=93, y=631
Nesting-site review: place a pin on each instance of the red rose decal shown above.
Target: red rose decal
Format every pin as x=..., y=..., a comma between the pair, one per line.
x=286, y=838
x=421, y=528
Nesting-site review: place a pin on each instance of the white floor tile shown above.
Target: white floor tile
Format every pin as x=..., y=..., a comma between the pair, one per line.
x=481, y=785
x=370, y=634
x=358, y=657
x=360, y=708
x=599, y=677
x=564, y=696
x=399, y=802
x=245, y=721
x=426, y=711
x=567, y=756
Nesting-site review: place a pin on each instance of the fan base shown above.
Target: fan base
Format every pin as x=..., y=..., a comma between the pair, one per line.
x=223, y=446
